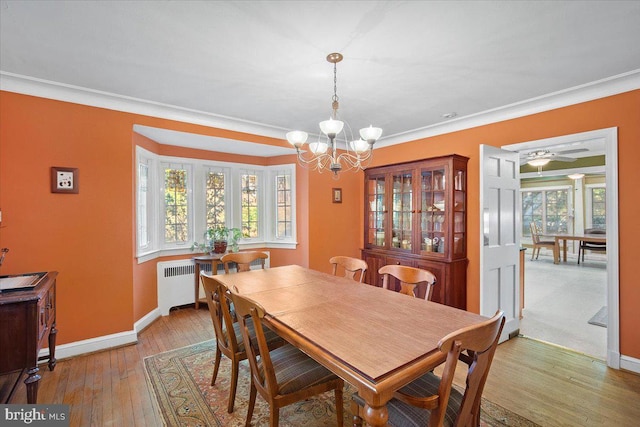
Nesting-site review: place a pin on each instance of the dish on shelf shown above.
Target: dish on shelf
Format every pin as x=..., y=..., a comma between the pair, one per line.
x=439, y=205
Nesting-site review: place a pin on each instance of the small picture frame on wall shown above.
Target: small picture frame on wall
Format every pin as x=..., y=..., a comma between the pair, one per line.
x=64, y=180
x=337, y=195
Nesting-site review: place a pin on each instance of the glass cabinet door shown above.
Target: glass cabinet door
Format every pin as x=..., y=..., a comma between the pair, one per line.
x=402, y=211
x=377, y=211
x=433, y=211
x=459, y=213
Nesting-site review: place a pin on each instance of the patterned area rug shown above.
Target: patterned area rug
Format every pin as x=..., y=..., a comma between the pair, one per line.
x=180, y=380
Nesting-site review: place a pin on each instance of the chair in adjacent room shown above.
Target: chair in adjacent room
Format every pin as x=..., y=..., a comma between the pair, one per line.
x=229, y=340
x=354, y=268
x=431, y=400
x=538, y=243
x=243, y=260
x=591, y=246
x=410, y=279
x=282, y=376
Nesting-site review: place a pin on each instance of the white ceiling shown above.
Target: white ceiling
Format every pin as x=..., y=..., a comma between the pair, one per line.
x=406, y=63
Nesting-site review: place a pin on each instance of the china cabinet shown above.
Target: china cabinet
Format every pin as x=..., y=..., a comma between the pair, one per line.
x=416, y=215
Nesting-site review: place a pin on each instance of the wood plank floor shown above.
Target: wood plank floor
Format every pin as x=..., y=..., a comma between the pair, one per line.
x=544, y=383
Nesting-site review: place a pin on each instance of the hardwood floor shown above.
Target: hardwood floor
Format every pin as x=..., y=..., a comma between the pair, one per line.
x=546, y=384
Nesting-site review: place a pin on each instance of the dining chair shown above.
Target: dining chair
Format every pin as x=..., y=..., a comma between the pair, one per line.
x=352, y=267
x=536, y=232
x=243, y=260
x=410, y=278
x=229, y=339
x=433, y=401
x=591, y=246
x=284, y=375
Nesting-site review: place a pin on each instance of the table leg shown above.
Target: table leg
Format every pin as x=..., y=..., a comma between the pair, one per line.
x=564, y=250
x=376, y=416
x=556, y=251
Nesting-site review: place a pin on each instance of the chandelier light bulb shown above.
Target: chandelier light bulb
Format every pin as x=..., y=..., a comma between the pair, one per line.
x=370, y=134
x=297, y=138
x=331, y=127
x=359, y=145
x=319, y=147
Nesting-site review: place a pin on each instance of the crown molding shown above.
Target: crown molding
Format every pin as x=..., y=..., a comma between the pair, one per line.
x=588, y=92
x=11, y=82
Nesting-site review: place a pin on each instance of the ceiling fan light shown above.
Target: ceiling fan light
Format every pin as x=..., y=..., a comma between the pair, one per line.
x=576, y=175
x=370, y=134
x=297, y=138
x=331, y=127
x=538, y=162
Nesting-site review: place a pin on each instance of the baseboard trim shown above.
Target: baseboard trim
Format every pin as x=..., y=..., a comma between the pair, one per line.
x=146, y=320
x=630, y=364
x=105, y=342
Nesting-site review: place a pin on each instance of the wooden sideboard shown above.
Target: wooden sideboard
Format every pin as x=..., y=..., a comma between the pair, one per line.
x=27, y=324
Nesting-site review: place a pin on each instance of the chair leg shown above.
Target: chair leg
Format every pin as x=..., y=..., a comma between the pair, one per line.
x=274, y=417
x=355, y=410
x=252, y=403
x=216, y=365
x=339, y=406
x=579, y=250
x=233, y=385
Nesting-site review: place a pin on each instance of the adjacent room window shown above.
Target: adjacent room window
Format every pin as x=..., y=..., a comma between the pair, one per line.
x=596, y=207
x=549, y=208
x=178, y=199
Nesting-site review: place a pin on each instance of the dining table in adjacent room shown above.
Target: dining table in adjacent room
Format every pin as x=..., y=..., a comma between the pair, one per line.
x=584, y=237
x=375, y=339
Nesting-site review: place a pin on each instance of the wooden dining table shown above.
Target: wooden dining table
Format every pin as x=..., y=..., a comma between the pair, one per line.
x=375, y=339
x=584, y=237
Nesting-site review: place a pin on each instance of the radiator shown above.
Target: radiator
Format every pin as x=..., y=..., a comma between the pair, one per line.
x=176, y=282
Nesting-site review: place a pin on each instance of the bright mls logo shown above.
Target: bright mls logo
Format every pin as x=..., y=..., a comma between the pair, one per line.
x=35, y=415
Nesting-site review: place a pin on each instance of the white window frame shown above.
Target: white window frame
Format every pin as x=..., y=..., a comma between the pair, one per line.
x=197, y=169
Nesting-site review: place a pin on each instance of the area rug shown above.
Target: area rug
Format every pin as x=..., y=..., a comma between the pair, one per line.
x=180, y=380
x=600, y=318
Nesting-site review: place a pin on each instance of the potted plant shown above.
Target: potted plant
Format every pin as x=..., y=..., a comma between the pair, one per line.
x=219, y=236
x=216, y=240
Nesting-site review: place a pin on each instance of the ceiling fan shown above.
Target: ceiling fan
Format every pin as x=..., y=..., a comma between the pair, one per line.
x=540, y=158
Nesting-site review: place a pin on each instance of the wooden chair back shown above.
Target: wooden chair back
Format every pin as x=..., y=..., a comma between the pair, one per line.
x=352, y=267
x=262, y=372
x=473, y=345
x=243, y=260
x=480, y=343
x=538, y=243
x=220, y=316
x=409, y=278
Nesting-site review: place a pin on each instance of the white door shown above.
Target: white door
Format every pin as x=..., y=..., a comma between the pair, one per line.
x=500, y=236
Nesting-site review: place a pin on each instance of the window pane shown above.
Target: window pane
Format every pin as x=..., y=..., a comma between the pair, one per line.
x=557, y=211
x=143, y=208
x=249, y=205
x=598, y=208
x=531, y=210
x=176, y=207
x=215, y=194
x=283, y=206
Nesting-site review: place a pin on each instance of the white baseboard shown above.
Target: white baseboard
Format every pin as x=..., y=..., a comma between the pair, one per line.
x=105, y=342
x=146, y=320
x=630, y=364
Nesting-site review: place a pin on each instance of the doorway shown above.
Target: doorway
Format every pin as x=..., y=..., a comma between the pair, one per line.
x=608, y=138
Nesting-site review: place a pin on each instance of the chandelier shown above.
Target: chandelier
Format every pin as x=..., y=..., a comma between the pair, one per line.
x=323, y=154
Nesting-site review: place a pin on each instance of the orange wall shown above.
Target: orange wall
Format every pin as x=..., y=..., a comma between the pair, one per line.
x=89, y=238
x=107, y=291
x=621, y=111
